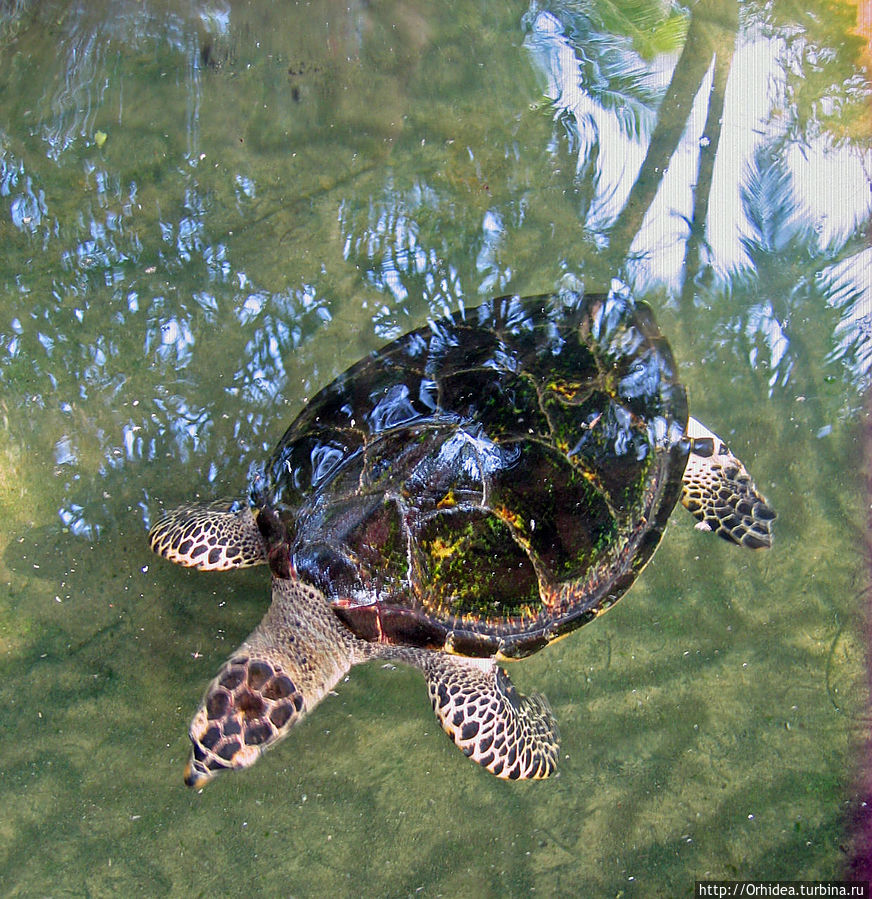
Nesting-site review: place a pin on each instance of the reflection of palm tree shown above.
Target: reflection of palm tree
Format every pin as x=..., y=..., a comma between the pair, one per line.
x=806, y=291
x=712, y=31
x=776, y=316
x=608, y=81
x=706, y=166
x=793, y=271
x=610, y=70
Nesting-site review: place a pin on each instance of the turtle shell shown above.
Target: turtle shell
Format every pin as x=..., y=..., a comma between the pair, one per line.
x=487, y=483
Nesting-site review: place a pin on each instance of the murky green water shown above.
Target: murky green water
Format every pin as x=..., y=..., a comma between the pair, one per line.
x=207, y=211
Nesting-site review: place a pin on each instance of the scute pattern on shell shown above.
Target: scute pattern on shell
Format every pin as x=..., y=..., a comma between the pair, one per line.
x=486, y=483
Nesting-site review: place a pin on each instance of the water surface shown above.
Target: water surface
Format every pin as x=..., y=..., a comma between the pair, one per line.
x=208, y=211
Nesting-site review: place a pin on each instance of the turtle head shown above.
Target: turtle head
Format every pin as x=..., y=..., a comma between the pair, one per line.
x=249, y=706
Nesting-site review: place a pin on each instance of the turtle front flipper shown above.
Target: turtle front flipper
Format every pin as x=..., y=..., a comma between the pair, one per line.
x=214, y=536
x=248, y=707
x=513, y=736
x=721, y=494
x=294, y=657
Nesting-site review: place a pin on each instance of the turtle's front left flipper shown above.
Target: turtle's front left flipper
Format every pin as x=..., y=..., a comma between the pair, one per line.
x=513, y=736
x=214, y=536
x=721, y=494
x=294, y=657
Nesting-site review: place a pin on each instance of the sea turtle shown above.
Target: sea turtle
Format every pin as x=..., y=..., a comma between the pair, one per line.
x=469, y=494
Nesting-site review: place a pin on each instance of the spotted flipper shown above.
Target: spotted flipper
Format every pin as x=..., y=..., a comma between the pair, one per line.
x=210, y=536
x=288, y=664
x=513, y=736
x=248, y=707
x=720, y=493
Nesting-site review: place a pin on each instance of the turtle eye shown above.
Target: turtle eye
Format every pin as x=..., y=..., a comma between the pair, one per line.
x=703, y=446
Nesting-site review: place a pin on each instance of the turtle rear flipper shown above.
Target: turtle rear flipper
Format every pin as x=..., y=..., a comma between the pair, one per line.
x=513, y=736
x=215, y=536
x=720, y=493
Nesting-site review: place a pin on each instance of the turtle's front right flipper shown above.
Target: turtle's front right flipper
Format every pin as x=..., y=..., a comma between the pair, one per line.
x=721, y=494
x=513, y=736
x=214, y=536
